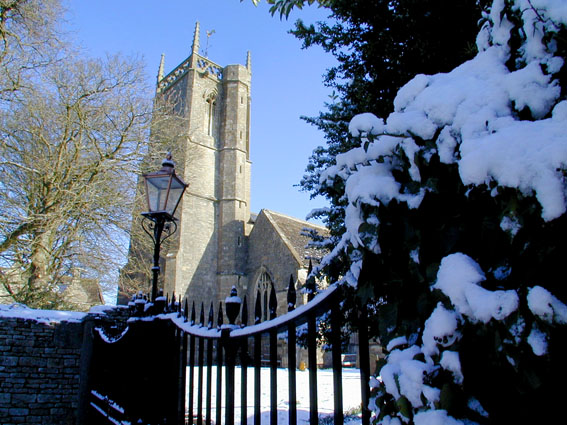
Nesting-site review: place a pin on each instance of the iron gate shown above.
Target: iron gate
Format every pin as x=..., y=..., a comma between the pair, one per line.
x=171, y=357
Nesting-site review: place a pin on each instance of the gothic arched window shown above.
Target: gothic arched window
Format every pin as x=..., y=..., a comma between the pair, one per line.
x=211, y=101
x=263, y=287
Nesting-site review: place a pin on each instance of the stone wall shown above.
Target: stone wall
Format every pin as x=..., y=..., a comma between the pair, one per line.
x=42, y=364
x=39, y=371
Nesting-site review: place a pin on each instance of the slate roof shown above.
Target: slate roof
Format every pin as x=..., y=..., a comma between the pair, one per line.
x=293, y=233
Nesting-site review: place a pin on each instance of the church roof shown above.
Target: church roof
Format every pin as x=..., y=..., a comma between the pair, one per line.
x=293, y=232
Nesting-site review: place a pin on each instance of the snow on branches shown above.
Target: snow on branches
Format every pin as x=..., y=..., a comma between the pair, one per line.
x=500, y=119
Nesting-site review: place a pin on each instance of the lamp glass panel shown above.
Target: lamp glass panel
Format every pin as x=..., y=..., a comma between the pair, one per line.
x=157, y=191
x=175, y=193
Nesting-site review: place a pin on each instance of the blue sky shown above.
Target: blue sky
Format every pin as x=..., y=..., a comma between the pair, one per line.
x=286, y=81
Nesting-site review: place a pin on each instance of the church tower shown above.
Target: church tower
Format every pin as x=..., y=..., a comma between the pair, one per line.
x=214, y=104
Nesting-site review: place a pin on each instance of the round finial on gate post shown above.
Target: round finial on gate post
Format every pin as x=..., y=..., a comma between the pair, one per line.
x=132, y=305
x=160, y=303
x=140, y=305
x=232, y=304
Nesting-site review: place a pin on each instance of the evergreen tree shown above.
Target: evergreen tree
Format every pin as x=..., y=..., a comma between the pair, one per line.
x=454, y=212
x=379, y=46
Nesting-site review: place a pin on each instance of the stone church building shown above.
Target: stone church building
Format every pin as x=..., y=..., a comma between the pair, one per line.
x=219, y=242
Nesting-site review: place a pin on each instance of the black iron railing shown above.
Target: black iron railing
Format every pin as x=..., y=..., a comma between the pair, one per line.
x=194, y=348
x=231, y=343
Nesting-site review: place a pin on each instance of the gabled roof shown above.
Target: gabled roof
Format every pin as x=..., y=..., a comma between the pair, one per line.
x=293, y=233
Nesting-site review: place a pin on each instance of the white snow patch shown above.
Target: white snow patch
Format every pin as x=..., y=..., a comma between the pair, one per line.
x=510, y=225
x=450, y=361
x=446, y=146
x=459, y=277
x=21, y=311
x=402, y=375
x=101, y=309
x=435, y=417
x=388, y=420
x=440, y=328
x=546, y=306
x=366, y=123
x=396, y=342
x=538, y=341
x=525, y=155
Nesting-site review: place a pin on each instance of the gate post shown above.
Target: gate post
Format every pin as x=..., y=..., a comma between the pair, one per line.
x=182, y=377
x=363, y=346
x=337, y=366
x=230, y=350
x=84, y=378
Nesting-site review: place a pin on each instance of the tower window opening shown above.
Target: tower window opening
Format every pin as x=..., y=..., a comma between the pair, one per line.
x=210, y=113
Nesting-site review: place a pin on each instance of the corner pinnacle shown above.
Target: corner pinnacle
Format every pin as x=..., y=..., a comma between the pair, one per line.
x=196, y=37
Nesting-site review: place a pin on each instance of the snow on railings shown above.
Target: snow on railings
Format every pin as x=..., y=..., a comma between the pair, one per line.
x=202, y=330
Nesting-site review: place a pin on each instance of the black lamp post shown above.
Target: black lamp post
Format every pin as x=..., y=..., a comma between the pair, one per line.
x=164, y=190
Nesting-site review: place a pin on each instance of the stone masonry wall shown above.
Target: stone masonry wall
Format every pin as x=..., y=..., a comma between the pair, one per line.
x=39, y=371
x=44, y=363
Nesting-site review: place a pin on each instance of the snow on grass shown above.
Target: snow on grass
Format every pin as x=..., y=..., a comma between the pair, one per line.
x=325, y=394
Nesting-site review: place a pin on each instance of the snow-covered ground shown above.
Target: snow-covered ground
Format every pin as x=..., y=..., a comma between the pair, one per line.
x=351, y=394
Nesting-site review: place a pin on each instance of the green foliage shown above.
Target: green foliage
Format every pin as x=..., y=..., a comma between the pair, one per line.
x=505, y=379
x=499, y=366
x=284, y=7
x=378, y=51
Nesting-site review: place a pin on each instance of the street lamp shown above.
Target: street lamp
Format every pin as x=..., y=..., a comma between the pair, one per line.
x=164, y=190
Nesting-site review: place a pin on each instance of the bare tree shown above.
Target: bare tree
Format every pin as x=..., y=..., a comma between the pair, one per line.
x=30, y=39
x=70, y=147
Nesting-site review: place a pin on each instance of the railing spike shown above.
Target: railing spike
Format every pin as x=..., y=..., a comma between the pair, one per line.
x=186, y=310
x=193, y=313
x=220, y=317
x=291, y=295
x=258, y=309
x=273, y=302
x=202, y=315
x=244, y=320
x=211, y=316
x=310, y=285
x=172, y=306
